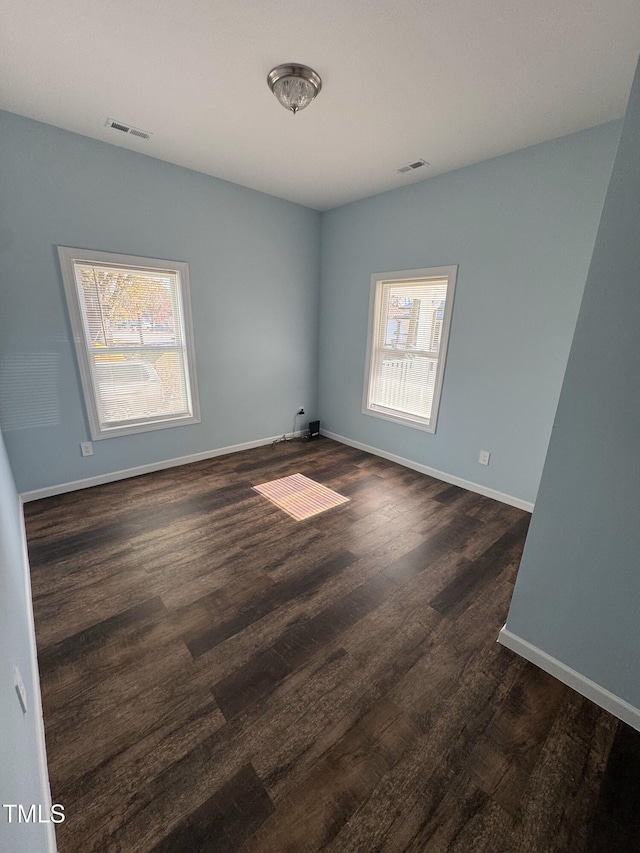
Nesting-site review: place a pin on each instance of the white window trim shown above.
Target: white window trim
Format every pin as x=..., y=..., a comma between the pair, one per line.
x=67, y=258
x=377, y=281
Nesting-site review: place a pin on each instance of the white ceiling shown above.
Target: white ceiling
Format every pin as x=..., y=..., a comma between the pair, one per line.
x=450, y=81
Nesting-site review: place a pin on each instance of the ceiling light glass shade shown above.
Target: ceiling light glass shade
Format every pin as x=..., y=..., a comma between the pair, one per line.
x=295, y=86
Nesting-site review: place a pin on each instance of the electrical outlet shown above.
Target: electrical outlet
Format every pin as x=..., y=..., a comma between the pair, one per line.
x=301, y=410
x=484, y=457
x=20, y=689
x=86, y=448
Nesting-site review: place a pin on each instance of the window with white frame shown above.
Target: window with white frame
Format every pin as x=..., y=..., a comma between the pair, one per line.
x=409, y=321
x=131, y=322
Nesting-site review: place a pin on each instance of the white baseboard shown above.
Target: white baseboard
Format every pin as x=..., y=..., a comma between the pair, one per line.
x=580, y=683
x=432, y=472
x=36, y=710
x=113, y=476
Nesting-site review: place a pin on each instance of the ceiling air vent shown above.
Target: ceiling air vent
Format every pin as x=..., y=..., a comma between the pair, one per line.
x=126, y=128
x=411, y=166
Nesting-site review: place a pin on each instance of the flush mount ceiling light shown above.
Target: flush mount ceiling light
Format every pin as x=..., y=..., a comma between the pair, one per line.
x=295, y=86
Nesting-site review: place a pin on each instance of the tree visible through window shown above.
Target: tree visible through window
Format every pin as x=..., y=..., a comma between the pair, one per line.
x=131, y=323
x=410, y=315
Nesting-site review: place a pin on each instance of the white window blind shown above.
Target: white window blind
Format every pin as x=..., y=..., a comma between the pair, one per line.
x=132, y=332
x=408, y=333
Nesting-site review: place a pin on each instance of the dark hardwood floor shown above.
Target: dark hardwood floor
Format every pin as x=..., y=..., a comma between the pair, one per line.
x=219, y=677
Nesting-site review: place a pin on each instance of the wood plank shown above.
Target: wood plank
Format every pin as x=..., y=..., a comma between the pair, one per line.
x=554, y=815
x=268, y=599
x=616, y=824
x=312, y=816
x=262, y=674
x=228, y=817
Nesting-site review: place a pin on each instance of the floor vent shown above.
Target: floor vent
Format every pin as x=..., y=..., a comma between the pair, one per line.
x=126, y=128
x=417, y=164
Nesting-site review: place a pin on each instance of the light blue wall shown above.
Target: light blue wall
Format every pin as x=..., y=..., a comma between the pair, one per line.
x=20, y=779
x=578, y=589
x=521, y=228
x=254, y=269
